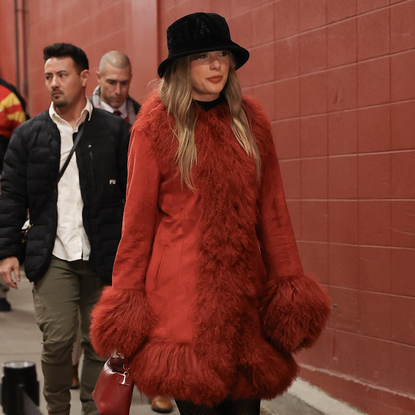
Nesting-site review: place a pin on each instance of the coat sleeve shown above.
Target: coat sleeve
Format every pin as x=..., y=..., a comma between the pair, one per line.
x=295, y=306
x=122, y=319
x=13, y=198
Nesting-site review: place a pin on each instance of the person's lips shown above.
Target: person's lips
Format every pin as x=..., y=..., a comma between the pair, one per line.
x=215, y=79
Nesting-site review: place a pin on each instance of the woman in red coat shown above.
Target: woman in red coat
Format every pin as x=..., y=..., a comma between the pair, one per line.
x=209, y=299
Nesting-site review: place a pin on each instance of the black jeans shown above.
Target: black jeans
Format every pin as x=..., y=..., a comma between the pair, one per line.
x=227, y=407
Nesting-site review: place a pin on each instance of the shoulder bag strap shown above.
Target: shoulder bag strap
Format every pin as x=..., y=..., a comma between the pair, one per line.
x=62, y=170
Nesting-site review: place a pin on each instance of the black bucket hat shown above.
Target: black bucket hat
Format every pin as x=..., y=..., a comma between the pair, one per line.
x=200, y=32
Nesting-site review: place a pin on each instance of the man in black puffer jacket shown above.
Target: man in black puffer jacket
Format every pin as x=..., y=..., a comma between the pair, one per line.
x=72, y=244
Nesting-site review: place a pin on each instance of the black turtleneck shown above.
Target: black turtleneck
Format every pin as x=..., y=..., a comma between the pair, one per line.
x=208, y=105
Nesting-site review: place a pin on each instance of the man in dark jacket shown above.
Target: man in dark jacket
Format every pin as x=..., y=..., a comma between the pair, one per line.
x=114, y=80
x=72, y=244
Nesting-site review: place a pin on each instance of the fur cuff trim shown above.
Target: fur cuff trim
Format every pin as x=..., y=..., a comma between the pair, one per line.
x=121, y=321
x=294, y=312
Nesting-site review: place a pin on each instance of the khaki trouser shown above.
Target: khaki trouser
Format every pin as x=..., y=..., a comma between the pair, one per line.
x=67, y=291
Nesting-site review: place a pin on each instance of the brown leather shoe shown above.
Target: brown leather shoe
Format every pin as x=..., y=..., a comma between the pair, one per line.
x=161, y=404
x=75, y=377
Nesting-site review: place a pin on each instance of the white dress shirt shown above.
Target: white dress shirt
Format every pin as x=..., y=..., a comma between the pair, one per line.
x=71, y=242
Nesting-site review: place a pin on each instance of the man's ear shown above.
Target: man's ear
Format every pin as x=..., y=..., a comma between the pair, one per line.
x=84, y=77
x=98, y=77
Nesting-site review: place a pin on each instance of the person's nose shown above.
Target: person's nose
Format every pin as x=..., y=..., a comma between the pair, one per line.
x=215, y=63
x=118, y=89
x=54, y=82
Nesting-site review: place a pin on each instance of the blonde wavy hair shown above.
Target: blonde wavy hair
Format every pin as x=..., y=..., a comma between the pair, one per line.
x=176, y=94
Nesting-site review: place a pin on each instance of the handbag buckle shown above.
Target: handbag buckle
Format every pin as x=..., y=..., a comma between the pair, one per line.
x=125, y=376
x=25, y=232
x=124, y=379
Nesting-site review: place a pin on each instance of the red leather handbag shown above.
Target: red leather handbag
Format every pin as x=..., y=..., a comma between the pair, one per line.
x=114, y=388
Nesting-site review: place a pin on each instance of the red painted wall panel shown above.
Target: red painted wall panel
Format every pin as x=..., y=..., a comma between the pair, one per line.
x=336, y=78
x=7, y=49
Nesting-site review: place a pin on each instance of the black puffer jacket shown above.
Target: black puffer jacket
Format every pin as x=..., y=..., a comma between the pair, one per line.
x=31, y=167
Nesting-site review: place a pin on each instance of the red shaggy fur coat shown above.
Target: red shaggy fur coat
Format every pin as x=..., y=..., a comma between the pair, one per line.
x=208, y=293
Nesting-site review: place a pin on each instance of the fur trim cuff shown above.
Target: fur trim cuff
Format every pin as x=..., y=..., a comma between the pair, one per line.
x=121, y=321
x=294, y=312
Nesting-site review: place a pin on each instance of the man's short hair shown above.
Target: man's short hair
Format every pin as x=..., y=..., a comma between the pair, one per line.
x=114, y=58
x=64, y=50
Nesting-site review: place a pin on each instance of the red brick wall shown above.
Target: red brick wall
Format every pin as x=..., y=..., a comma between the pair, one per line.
x=337, y=79
x=344, y=118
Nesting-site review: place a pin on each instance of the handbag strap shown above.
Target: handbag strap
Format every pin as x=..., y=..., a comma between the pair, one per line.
x=62, y=170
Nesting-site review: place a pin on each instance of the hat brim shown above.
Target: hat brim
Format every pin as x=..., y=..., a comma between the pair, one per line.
x=240, y=54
